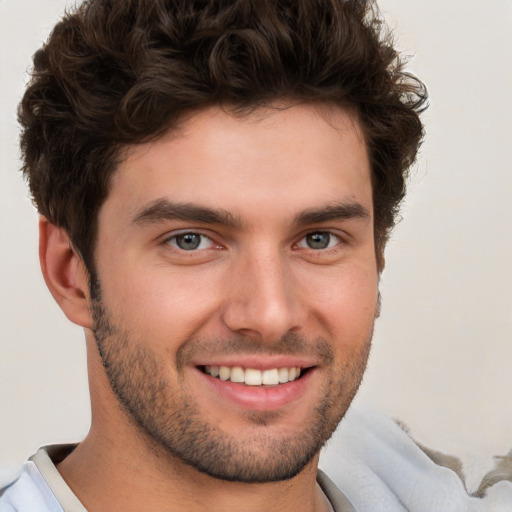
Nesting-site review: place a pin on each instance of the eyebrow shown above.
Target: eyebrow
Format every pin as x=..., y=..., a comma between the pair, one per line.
x=336, y=211
x=162, y=210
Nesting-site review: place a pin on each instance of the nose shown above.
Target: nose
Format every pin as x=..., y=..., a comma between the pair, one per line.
x=262, y=299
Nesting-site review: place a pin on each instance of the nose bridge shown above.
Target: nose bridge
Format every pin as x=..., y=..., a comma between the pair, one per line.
x=262, y=299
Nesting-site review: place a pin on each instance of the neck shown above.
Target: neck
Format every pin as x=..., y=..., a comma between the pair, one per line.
x=107, y=473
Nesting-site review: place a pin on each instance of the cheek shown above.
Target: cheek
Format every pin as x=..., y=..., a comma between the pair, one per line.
x=161, y=303
x=346, y=304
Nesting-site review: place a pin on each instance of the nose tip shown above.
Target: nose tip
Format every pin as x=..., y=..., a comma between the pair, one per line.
x=268, y=323
x=262, y=303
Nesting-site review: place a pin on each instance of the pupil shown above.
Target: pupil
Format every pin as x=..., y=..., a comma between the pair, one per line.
x=318, y=240
x=189, y=241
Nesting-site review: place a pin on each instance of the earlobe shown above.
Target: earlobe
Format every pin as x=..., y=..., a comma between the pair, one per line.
x=64, y=273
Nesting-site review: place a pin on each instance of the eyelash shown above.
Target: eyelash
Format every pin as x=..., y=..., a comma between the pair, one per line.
x=173, y=240
x=331, y=237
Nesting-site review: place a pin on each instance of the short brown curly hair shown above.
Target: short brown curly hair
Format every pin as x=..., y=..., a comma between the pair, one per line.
x=121, y=72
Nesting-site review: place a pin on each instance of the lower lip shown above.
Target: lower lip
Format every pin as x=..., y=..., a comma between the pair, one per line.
x=259, y=398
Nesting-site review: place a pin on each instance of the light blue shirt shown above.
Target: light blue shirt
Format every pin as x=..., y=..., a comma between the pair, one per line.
x=40, y=488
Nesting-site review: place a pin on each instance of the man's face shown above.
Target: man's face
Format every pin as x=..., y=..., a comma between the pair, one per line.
x=239, y=246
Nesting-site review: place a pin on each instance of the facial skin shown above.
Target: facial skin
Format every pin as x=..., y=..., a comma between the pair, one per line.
x=238, y=242
x=255, y=286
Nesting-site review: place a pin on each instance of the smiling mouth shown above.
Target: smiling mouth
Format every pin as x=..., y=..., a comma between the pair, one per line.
x=255, y=377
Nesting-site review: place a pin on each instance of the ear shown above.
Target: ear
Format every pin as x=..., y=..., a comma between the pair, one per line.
x=64, y=273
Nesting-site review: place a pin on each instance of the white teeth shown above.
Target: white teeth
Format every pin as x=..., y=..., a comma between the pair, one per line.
x=270, y=377
x=224, y=373
x=254, y=377
x=237, y=374
x=283, y=375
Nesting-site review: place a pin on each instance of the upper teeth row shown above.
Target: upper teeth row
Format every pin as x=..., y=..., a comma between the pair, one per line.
x=253, y=377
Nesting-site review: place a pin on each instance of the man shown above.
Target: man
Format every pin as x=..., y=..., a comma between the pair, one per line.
x=216, y=183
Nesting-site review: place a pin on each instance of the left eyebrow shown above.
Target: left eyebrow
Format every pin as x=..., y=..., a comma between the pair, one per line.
x=337, y=211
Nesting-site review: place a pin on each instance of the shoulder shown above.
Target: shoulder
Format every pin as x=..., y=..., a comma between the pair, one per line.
x=27, y=494
x=40, y=488
x=4, y=504
x=379, y=467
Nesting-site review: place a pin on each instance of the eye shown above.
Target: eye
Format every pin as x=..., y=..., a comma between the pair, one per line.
x=190, y=241
x=319, y=240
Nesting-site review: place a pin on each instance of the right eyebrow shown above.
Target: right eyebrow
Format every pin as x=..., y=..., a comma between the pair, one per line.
x=162, y=210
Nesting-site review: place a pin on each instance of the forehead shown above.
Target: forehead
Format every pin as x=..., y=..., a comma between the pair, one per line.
x=302, y=156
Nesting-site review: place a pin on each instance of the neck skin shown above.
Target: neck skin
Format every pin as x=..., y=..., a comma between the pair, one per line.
x=116, y=468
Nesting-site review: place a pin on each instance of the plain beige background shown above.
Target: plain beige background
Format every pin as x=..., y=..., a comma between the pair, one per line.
x=442, y=352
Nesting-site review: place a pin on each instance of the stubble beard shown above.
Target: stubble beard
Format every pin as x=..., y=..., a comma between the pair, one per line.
x=172, y=423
